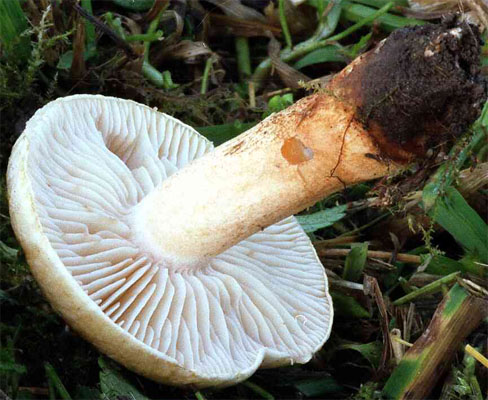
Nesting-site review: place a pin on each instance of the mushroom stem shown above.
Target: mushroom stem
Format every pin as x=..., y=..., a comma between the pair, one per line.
x=276, y=169
x=383, y=109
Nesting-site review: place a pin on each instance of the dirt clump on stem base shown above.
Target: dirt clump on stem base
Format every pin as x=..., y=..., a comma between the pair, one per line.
x=421, y=87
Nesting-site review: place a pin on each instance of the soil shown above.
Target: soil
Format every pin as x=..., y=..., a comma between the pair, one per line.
x=422, y=87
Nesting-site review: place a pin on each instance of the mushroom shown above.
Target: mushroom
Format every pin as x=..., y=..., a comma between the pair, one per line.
x=77, y=181
x=182, y=262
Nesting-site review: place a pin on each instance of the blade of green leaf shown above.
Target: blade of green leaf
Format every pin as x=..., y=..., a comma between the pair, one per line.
x=55, y=382
x=66, y=58
x=356, y=12
x=321, y=219
x=12, y=24
x=7, y=362
x=89, y=27
x=325, y=54
x=86, y=392
x=278, y=103
x=381, y=3
x=318, y=387
x=258, y=390
x=347, y=306
x=8, y=254
x=114, y=385
x=354, y=50
x=355, y=262
x=327, y=21
x=370, y=351
x=442, y=265
x=455, y=215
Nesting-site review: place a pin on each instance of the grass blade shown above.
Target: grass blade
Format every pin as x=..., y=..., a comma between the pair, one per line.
x=389, y=22
x=455, y=215
x=433, y=287
x=365, y=19
x=114, y=385
x=55, y=383
x=370, y=351
x=258, y=390
x=355, y=262
x=325, y=54
x=455, y=318
x=327, y=21
x=89, y=27
x=318, y=387
x=347, y=306
x=12, y=24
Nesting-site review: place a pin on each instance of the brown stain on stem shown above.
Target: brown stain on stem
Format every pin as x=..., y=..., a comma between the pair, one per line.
x=295, y=152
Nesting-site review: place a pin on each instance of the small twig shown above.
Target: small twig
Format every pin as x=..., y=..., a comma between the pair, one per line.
x=34, y=390
x=371, y=288
x=383, y=265
x=404, y=342
x=476, y=354
x=267, y=95
x=158, y=6
x=252, y=95
x=119, y=42
x=473, y=288
x=366, y=226
x=337, y=282
x=396, y=345
x=400, y=340
x=407, y=288
x=335, y=241
x=427, y=289
x=385, y=255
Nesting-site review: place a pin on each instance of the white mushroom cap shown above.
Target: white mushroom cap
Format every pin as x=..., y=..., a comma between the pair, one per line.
x=80, y=167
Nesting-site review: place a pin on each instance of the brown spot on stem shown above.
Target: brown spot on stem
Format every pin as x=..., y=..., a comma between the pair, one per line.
x=295, y=152
x=235, y=148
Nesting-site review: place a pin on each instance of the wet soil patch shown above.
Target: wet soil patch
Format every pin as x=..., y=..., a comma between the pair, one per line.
x=422, y=87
